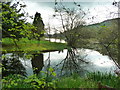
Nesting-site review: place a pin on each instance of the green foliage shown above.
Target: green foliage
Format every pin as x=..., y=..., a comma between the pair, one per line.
x=108, y=38
x=14, y=23
x=33, y=81
x=82, y=36
x=12, y=65
x=102, y=37
x=47, y=79
x=13, y=81
x=105, y=79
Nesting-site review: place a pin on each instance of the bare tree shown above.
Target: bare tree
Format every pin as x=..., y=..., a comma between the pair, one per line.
x=71, y=19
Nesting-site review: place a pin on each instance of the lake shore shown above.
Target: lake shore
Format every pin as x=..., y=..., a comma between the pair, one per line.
x=31, y=45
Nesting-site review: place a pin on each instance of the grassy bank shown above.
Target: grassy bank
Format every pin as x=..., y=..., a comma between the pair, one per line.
x=92, y=80
x=71, y=82
x=30, y=45
x=75, y=81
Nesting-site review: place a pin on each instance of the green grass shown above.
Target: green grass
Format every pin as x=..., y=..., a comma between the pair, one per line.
x=30, y=45
x=105, y=79
x=74, y=81
x=90, y=81
x=70, y=82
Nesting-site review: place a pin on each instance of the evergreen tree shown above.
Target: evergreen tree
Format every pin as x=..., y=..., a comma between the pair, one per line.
x=38, y=23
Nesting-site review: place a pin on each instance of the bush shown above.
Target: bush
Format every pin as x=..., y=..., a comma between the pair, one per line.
x=43, y=80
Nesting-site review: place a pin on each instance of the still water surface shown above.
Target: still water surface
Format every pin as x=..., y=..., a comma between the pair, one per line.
x=97, y=61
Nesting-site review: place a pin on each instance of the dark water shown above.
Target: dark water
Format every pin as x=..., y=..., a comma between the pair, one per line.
x=37, y=62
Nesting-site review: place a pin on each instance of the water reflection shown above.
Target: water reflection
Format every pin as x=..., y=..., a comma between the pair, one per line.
x=17, y=63
x=97, y=62
x=37, y=63
x=12, y=65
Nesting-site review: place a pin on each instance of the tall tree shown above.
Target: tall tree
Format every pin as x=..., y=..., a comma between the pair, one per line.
x=71, y=19
x=38, y=23
x=14, y=23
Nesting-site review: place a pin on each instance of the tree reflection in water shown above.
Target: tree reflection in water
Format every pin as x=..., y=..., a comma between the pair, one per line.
x=37, y=63
x=72, y=63
x=12, y=65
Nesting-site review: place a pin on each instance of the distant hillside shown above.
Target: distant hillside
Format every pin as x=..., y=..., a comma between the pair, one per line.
x=104, y=23
x=93, y=27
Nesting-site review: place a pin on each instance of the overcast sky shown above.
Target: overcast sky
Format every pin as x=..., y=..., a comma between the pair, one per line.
x=70, y=0
x=101, y=9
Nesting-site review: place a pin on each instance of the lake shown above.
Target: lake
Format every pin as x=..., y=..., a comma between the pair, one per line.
x=97, y=61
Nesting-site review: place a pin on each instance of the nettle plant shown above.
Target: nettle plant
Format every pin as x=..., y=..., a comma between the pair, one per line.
x=45, y=79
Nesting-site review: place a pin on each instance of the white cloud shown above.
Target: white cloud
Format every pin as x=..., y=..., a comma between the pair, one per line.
x=100, y=11
x=72, y=0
